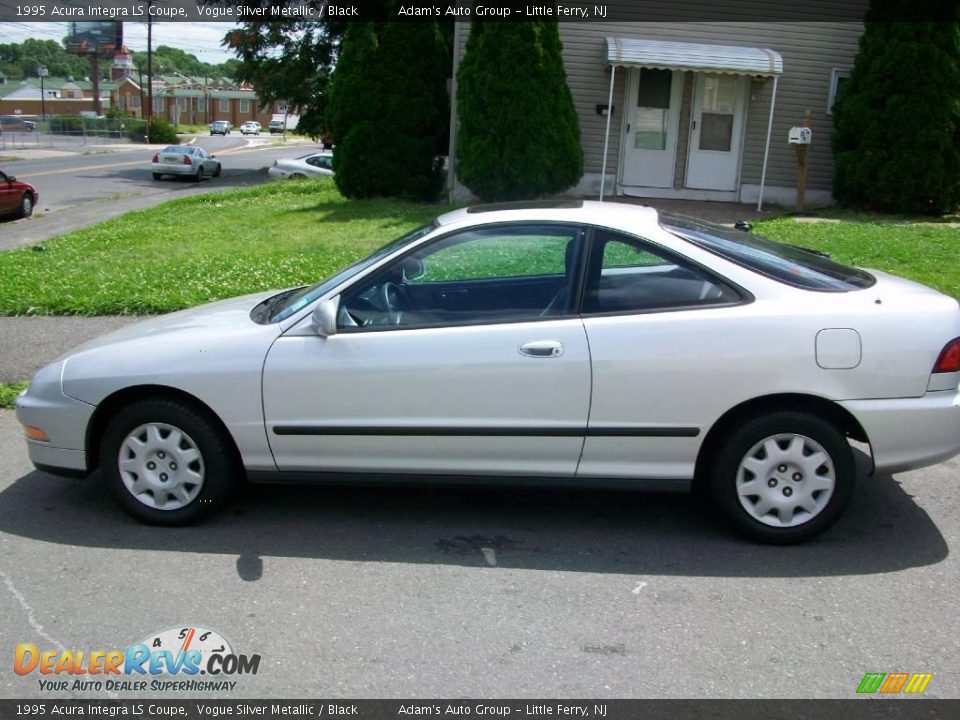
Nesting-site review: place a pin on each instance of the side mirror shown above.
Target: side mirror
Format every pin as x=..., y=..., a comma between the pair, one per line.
x=412, y=268
x=212, y=156
x=325, y=317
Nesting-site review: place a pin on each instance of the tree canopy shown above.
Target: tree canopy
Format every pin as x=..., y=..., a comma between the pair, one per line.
x=519, y=135
x=897, y=118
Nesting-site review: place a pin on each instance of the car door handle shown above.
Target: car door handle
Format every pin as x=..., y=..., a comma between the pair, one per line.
x=542, y=348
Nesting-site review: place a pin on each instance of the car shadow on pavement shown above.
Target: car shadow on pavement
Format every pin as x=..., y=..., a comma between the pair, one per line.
x=568, y=530
x=143, y=177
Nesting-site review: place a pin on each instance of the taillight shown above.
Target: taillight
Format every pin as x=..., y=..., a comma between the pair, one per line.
x=949, y=360
x=186, y=160
x=156, y=158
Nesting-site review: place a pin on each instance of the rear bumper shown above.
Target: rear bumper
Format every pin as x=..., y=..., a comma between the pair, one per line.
x=909, y=433
x=173, y=169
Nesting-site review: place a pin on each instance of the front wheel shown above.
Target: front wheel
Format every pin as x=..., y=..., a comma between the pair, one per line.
x=199, y=176
x=784, y=477
x=166, y=462
x=216, y=171
x=25, y=209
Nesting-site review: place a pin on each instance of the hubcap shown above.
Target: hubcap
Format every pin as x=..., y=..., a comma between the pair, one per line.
x=785, y=480
x=161, y=466
x=27, y=205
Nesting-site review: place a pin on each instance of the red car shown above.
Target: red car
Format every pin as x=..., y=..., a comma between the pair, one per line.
x=17, y=198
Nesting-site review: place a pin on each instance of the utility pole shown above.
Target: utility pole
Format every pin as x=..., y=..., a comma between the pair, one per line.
x=43, y=72
x=149, y=66
x=95, y=62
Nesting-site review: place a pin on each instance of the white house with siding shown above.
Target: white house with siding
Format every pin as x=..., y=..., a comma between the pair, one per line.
x=693, y=105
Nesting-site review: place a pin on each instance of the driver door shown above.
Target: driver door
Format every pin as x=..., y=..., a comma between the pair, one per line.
x=461, y=358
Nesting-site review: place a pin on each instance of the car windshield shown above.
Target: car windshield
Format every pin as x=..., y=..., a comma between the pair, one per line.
x=800, y=267
x=282, y=306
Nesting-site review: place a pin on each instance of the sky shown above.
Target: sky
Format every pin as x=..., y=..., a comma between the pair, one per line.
x=201, y=39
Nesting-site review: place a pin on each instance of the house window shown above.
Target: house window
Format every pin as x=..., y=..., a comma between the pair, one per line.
x=181, y=103
x=838, y=76
x=202, y=104
x=244, y=106
x=158, y=104
x=224, y=105
x=133, y=101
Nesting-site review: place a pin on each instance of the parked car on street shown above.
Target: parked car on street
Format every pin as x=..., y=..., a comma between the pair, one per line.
x=601, y=344
x=220, y=128
x=276, y=126
x=185, y=160
x=15, y=123
x=17, y=198
x=313, y=164
x=250, y=128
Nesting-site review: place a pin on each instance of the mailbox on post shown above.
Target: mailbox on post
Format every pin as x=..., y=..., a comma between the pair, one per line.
x=800, y=138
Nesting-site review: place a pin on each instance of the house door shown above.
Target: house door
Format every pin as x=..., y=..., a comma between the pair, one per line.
x=716, y=131
x=650, y=143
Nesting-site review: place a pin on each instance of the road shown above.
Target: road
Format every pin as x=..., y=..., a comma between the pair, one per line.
x=81, y=189
x=353, y=592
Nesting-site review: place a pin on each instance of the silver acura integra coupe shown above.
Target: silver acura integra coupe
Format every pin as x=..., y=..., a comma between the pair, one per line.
x=607, y=345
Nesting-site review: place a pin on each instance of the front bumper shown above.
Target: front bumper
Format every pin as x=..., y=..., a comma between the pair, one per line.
x=62, y=418
x=909, y=433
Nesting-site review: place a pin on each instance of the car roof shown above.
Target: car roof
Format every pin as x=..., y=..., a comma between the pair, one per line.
x=614, y=214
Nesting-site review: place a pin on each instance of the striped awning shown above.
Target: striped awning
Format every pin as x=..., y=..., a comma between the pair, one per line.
x=671, y=55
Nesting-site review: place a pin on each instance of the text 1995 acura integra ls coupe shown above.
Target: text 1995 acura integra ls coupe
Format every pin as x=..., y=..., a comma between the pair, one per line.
x=572, y=342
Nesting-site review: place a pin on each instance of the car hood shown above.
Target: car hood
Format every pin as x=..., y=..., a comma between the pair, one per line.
x=226, y=317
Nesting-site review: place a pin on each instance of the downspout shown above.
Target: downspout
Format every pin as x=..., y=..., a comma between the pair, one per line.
x=766, y=150
x=606, y=137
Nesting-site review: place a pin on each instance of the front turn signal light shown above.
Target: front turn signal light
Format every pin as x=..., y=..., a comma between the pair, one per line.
x=35, y=433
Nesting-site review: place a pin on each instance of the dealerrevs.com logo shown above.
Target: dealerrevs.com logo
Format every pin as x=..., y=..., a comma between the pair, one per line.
x=169, y=660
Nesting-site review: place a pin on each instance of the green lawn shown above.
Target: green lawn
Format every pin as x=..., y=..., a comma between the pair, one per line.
x=275, y=235
x=203, y=248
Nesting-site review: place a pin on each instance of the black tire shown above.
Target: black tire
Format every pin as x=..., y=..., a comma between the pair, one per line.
x=217, y=463
x=216, y=173
x=157, y=176
x=25, y=208
x=785, y=479
x=199, y=176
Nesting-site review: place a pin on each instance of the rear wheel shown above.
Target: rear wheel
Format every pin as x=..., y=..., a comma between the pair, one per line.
x=25, y=209
x=199, y=176
x=157, y=176
x=166, y=462
x=784, y=477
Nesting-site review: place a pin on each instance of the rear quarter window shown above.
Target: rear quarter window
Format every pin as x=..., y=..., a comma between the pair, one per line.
x=785, y=263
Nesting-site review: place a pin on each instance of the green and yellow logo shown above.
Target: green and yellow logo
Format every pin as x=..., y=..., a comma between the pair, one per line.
x=893, y=683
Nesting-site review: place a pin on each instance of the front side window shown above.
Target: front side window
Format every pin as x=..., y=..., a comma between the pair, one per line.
x=628, y=275
x=495, y=274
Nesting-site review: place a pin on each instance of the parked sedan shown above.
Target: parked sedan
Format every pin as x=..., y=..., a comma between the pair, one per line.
x=185, y=160
x=598, y=344
x=220, y=128
x=316, y=164
x=17, y=198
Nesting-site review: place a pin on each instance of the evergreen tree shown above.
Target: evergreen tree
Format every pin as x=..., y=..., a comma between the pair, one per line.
x=896, y=143
x=388, y=111
x=519, y=136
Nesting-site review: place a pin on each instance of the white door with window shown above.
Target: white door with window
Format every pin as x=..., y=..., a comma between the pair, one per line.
x=464, y=357
x=653, y=114
x=716, y=130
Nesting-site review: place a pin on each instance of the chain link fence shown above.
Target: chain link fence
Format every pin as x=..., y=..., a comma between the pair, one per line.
x=69, y=130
